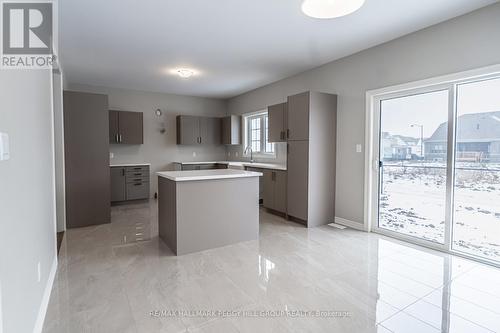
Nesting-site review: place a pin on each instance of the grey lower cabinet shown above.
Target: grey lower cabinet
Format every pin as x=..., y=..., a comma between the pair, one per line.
x=192, y=130
x=126, y=127
x=274, y=194
x=207, y=166
x=231, y=130
x=277, y=115
x=272, y=188
x=129, y=183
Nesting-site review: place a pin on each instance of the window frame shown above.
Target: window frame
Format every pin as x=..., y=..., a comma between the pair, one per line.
x=264, y=135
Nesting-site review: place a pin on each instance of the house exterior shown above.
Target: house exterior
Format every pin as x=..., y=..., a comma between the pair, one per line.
x=478, y=139
x=399, y=147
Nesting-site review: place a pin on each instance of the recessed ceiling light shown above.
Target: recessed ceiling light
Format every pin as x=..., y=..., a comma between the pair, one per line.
x=185, y=73
x=325, y=9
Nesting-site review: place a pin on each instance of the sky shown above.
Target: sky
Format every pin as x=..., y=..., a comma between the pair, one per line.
x=431, y=109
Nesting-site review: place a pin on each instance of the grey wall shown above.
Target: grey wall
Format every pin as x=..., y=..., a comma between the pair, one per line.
x=467, y=42
x=160, y=149
x=27, y=200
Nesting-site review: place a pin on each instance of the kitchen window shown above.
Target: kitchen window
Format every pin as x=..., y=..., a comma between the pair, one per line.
x=257, y=135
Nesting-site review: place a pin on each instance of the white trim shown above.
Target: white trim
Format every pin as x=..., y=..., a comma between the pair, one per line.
x=46, y=298
x=349, y=223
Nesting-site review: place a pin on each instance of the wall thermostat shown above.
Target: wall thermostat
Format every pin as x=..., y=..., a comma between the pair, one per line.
x=4, y=147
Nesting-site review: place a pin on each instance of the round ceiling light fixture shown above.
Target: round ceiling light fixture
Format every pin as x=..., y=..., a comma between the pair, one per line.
x=327, y=9
x=185, y=73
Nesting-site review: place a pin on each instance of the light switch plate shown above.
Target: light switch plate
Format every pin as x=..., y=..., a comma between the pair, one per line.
x=4, y=147
x=359, y=148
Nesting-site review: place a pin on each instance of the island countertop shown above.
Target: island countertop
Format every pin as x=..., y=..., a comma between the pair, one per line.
x=192, y=175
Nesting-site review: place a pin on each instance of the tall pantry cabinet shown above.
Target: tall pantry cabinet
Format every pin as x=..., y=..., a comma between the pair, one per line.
x=311, y=158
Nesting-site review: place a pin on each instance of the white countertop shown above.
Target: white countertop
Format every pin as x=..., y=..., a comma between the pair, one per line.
x=242, y=163
x=129, y=164
x=182, y=176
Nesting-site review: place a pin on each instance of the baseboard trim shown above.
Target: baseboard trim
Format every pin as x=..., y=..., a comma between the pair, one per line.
x=349, y=223
x=46, y=298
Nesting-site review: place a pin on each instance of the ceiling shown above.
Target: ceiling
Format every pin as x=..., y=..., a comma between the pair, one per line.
x=235, y=45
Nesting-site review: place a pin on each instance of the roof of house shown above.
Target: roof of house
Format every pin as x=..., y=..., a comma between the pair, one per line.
x=474, y=127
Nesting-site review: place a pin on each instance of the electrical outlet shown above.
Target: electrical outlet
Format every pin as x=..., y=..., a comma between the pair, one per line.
x=4, y=147
x=39, y=272
x=228, y=154
x=111, y=155
x=194, y=154
x=237, y=154
x=359, y=148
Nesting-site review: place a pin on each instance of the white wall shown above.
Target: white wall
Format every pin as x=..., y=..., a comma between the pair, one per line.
x=160, y=149
x=57, y=82
x=466, y=42
x=27, y=199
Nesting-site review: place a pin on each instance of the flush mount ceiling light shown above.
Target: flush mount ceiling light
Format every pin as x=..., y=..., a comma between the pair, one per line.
x=326, y=9
x=185, y=73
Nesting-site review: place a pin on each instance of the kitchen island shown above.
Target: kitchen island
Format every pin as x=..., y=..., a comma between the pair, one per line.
x=204, y=209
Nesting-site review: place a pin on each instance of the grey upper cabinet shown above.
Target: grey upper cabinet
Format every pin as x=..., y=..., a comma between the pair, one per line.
x=210, y=131
x=126, y=127
x=118, y=188
x=231, y=130
x=86, y=153
x=277, y=122
x=114, y=128
x=311, y=158
x=192, y=130
x=188, y=130
x=298, y=116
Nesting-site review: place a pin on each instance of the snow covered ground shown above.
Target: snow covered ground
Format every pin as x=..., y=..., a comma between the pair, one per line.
x=413, y=202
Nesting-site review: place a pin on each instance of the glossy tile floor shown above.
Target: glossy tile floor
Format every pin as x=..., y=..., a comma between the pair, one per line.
x=122, y=278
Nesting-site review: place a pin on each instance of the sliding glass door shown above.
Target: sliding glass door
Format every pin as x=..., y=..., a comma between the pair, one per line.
x=412, y=188
x=439, y=167
x=476, y=220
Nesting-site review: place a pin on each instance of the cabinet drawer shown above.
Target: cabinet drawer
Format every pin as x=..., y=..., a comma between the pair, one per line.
x=138, y=168
x=137, y=179
x=137, y=173
x=136, y=191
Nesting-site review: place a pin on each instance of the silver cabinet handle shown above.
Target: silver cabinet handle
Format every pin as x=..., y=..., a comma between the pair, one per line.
x=120, y=137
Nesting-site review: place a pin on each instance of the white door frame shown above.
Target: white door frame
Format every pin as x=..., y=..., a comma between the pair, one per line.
x=372, y=127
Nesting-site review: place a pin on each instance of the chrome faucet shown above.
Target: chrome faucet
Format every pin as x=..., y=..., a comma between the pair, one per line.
x=247, y=149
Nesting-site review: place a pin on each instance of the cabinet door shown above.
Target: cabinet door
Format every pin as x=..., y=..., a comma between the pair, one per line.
x=131, y=127
x=298, y=117
x=231, y=130
x=86, y=153
x=276, y=114
x=280, y=191
x=297, y=179
x=117, y=184
x=188, y=130
x=113, y=126
x=210, y=131
x=268, y=188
